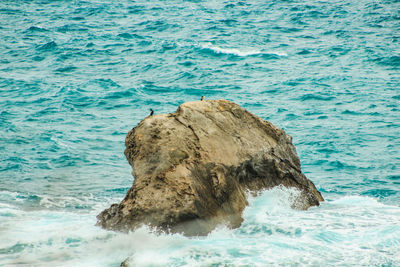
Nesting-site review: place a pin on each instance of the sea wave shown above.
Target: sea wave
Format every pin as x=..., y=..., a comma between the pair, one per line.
x=240, y=53
x=327, y=235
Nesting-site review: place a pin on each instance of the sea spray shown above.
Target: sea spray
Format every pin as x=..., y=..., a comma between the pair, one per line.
x=325, y=235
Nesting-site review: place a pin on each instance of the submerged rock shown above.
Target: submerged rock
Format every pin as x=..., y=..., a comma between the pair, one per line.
x=193, y=168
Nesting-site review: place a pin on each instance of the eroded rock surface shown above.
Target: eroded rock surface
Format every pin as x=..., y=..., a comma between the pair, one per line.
x=192, y=168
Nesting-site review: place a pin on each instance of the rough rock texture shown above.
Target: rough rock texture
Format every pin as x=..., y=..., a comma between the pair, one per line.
x=192, y=168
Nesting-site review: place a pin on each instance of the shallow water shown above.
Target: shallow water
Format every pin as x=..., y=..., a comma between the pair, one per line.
x=76, y=76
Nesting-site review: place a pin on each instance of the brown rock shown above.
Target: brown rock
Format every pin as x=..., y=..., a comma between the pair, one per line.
x=192, y=168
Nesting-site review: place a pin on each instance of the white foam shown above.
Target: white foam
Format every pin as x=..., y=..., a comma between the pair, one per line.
x=65, y=201
x=352, y=230
x=240, y=53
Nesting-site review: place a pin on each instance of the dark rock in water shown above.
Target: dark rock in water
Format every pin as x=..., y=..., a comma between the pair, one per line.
x=192, y=169
x=124, y=263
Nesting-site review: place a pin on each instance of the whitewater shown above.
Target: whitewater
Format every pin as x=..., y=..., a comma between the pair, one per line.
x=76, y=76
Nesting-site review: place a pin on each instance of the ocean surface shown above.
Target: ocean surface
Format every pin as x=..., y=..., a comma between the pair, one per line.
x=76, y=76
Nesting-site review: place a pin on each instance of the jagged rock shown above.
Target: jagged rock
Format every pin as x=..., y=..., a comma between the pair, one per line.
x=192, y=169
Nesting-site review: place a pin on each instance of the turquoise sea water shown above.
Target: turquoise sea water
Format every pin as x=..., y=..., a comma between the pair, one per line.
x=76, y=76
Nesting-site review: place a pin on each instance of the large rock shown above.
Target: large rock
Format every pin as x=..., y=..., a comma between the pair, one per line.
x=193, y=168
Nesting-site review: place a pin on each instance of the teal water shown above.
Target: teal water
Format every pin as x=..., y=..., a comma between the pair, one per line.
x=76, y=76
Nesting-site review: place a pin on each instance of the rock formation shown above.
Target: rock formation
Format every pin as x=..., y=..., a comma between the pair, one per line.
x=193, y=168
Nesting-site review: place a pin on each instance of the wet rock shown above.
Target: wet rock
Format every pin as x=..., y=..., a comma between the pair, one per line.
x=193, y=168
